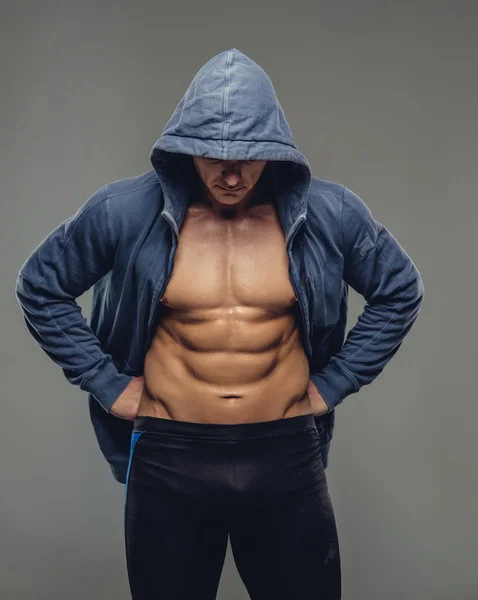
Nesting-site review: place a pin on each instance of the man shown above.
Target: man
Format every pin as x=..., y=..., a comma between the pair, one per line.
x=215, y=356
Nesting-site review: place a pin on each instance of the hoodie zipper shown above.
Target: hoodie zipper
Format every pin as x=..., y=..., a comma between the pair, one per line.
x=290, y=238
x=152, y=319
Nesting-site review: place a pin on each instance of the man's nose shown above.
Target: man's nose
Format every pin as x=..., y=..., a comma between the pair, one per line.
x=232, y=178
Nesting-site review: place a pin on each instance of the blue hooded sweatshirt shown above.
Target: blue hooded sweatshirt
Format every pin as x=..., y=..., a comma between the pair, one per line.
x=122, y=240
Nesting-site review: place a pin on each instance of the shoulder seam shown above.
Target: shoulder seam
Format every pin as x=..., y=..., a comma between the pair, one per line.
x=156, y=183
x=344, y=200
x=100, y=199
x=108, y=232
x=342, y=218
x=374, y=239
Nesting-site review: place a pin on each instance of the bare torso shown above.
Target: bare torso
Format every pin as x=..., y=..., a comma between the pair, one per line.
x=227, y=346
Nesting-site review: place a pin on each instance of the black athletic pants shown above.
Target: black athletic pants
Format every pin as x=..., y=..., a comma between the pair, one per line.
x=190, y=485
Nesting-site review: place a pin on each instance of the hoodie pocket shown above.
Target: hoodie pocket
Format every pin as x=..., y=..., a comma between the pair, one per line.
x=323, y=302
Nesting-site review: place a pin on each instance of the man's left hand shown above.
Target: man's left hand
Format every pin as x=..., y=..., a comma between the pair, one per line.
x=318, y=405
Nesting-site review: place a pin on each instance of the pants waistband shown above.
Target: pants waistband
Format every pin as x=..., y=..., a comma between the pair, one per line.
x=283, y=426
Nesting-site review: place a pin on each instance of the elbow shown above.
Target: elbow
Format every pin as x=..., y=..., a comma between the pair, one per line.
x=20, y=288
x=412, y=298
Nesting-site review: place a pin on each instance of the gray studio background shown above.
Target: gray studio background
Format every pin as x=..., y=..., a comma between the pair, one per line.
x=380, y=96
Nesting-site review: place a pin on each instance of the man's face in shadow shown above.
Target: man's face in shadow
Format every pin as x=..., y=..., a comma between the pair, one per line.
x=229, y=182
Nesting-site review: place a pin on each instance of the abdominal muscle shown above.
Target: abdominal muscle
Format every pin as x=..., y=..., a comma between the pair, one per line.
x=226, y=366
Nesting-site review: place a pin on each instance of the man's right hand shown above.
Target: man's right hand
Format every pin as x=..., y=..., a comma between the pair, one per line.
x=127, y=404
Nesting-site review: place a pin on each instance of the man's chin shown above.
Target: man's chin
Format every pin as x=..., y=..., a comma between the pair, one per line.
x=228, y=197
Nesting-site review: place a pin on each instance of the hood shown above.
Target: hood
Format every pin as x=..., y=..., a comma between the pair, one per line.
x=231, y=111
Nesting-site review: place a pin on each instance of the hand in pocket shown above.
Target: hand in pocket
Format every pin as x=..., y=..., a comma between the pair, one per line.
x=127, y=404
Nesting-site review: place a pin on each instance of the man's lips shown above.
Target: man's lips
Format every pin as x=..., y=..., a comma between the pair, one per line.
x=229, y=190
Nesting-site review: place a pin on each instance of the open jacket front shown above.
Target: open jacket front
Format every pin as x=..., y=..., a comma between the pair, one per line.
x=123, y=240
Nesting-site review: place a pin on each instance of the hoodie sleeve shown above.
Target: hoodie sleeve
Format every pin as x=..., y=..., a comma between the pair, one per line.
x=378, y=268
x=75, y=255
